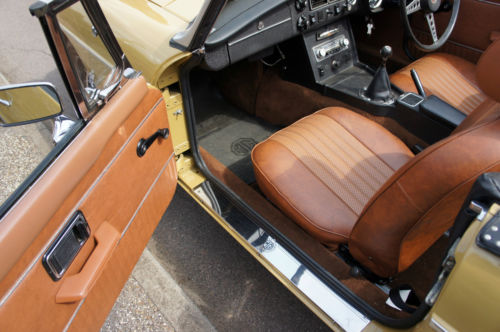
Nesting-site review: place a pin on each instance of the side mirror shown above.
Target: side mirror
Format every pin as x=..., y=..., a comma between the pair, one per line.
x=27, y=103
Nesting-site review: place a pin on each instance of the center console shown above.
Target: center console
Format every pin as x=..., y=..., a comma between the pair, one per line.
x=330, y=50
x=337, y=72
x=327, y=35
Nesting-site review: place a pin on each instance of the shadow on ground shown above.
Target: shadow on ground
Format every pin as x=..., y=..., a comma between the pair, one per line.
x=228, y=285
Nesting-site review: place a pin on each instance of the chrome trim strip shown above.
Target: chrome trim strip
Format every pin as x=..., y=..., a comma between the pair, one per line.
x=326, y=34
x=128, y=225
x=334, y=306
x=259, y=31
x=438, y=325
x=73, y=316
x=489, y=2
x=87, y=193
x=57, y=39
x=401, y=99
x=147, y=195
x=25, y=85
x=480, y=210
x=289, y=270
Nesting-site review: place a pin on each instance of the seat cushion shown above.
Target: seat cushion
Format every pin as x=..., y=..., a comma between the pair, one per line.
x=446, y=76
x=323, y=169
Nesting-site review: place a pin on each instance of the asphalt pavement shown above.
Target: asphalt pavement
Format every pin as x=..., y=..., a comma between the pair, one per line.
x=192, y=276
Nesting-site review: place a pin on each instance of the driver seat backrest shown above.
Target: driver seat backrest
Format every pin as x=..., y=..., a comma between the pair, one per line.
x=421, y=200
x=487, y=76
x=450, y=78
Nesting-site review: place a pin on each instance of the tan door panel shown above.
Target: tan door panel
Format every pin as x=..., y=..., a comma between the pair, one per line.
x=119, y=191
x=30, y=215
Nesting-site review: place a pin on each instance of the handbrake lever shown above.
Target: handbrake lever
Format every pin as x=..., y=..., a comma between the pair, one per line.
x=418, y=83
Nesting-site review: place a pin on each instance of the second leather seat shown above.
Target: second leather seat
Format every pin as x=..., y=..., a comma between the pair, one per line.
x=449, y=77
x=345, y=179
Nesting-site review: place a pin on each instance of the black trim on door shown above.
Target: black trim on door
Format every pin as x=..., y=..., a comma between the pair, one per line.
x=206, y=24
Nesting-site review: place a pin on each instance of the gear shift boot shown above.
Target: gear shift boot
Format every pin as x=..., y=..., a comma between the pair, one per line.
x=379, y=89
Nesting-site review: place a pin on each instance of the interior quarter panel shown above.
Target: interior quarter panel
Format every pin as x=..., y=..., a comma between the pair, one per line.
x=116, y=187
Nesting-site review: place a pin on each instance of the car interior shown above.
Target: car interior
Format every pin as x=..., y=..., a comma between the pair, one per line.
x=354, y=127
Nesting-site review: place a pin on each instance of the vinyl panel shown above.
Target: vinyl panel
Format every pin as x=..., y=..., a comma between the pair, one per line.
x=97, y=305
x=130, y=193
x=26, y=228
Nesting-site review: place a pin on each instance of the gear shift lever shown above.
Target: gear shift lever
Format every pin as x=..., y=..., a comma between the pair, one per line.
x=386, y=53
x=380, y=87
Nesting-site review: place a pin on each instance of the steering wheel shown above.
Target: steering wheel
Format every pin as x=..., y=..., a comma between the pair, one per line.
x=429, y=7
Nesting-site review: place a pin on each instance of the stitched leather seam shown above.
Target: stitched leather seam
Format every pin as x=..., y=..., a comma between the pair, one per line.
x=421, y=156
x=363, y=143
x=319, y=179
x=359, y=180
x=452, y=68
x=443, y=60
x=355, y=149
x=374, y=167
x=354, y=195
x=456, y=92
x=478, y=97
x=360, y=171
x=288, y=201
x=300, y=213
x=454, y=189
x=456, y=99
x=410, y=200
x=448, y=194
x=333, y=166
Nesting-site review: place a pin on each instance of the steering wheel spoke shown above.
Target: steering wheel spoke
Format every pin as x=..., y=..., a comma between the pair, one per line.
x=432, y=26
x=412, y=7
x=429, y=7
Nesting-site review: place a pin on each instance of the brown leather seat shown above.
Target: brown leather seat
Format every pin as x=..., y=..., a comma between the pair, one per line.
x=334, y=158
x=345, y=179
x=451, y=78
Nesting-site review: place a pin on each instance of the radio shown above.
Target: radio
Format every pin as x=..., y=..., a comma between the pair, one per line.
x=331, y=47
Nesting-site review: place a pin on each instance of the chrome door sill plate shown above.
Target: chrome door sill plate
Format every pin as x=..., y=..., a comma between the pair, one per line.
x=338, y=310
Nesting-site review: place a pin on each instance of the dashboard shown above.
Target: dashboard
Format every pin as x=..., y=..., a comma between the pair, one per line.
x=246, y=27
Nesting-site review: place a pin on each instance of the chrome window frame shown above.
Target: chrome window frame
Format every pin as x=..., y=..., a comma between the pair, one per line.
x=46, y=12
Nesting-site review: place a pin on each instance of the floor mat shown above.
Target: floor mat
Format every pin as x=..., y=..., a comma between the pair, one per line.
x=232, y=144
x=225, y=131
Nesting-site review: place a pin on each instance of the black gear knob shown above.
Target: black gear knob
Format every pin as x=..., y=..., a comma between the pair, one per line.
x=386, y=53
x=380, y=87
